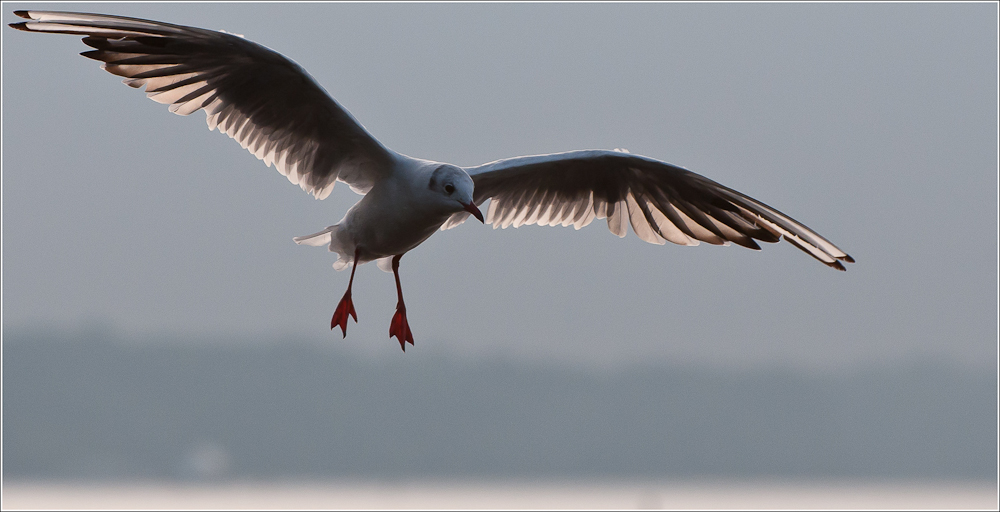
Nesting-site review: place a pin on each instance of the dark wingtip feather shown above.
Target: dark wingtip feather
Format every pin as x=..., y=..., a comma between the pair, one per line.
x=22, y=14
x=848, y=258
x=837, y=265
x=746, y=242
x=19, y=26
x=95, y=42
x=91, y=54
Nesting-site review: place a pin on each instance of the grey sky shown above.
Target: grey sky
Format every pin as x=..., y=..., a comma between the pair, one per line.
x=875, y=125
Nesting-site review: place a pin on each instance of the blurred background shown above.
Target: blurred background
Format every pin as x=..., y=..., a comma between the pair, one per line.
x=160, y=327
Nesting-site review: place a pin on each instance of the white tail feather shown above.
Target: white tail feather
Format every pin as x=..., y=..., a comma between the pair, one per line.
x=317, y=239
x=338, y=242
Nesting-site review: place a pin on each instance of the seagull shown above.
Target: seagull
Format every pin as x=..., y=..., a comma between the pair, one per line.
x=275, y=110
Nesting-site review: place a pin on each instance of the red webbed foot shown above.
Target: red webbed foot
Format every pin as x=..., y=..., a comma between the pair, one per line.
x=400, y=328
x=346, y=306
x=344, y=309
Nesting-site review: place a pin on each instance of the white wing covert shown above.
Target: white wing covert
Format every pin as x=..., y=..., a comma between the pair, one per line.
x=662, y=202
x=263, y=100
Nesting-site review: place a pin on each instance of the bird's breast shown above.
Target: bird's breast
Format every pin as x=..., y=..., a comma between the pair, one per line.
x=388, y=224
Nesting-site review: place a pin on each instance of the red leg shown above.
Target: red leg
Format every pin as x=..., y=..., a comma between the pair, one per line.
x=346, y=306
x=398, y=327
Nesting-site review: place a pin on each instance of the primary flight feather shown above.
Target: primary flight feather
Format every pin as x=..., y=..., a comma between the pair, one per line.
x=275, y=110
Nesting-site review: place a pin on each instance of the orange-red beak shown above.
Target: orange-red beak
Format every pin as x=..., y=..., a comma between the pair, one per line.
x=471, y=208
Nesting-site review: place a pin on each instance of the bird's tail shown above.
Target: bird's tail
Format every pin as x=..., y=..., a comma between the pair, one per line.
x=337, y=241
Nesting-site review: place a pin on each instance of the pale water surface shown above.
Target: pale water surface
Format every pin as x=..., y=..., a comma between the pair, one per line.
x=933, y=495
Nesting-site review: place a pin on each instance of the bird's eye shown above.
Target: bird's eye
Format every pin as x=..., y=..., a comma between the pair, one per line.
x=449, y=188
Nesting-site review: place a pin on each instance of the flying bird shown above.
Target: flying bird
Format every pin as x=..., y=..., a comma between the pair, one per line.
x=274, y=109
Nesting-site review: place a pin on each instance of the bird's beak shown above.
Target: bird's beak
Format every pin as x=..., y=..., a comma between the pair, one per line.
x=471, y=208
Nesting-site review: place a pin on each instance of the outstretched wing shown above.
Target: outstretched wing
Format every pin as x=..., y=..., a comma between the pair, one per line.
x=266, y=102
x=662, y=202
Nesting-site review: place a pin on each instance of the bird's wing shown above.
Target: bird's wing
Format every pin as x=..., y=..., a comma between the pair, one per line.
x=662, y=202
x=263, y=100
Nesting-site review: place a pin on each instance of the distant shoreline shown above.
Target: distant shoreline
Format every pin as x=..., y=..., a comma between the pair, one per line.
x=505, y=494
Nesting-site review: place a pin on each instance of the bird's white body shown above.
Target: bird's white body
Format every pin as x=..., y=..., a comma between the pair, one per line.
x=376, y=232
x=274, y=109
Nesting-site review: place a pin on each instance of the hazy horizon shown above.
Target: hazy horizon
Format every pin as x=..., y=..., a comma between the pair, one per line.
x=108, y=408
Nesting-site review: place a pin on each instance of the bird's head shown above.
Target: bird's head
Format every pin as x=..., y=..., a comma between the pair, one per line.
x=454, y=188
